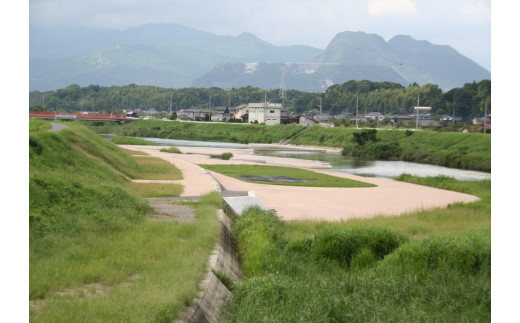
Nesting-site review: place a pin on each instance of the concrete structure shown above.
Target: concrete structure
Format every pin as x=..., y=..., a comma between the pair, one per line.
x=268, y=113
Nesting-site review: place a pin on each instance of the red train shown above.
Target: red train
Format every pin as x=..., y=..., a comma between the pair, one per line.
x=76, y=116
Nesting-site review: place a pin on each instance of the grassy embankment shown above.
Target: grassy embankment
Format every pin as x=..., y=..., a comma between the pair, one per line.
x=424, y=266
x=458, y=150
x=94, y=256
x=313, y=179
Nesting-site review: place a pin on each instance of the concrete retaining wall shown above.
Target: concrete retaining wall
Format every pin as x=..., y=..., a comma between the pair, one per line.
x=214, y=295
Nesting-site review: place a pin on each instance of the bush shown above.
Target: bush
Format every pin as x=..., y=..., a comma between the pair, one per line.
x=365, y=136
x=385, y=151
x=173, y=150
x=226, y=156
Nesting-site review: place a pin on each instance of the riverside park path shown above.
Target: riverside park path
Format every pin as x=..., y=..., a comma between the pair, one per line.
x=388, y=198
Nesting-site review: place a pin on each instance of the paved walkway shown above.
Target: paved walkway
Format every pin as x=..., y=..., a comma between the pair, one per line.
x=389, y=198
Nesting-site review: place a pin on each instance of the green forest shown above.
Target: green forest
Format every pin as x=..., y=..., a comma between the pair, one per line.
x=385, y=97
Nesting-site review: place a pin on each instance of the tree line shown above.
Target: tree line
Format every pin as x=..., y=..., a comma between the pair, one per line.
x=385, y=97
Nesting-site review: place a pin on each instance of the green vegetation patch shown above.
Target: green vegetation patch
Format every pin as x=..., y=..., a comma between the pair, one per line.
x=172, y=150
x=121, y=140
x=156, y=168
x=310, y=178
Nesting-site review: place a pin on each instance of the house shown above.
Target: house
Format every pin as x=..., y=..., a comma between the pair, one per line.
x=343, y=116
x=323, y=118
x=306, y=120
x=193, y=114
x=131, y=114
x=375, y=116
x=404, y=118
x=268, y=113
x=481, y=120
x=292, y=117
x=445, y=119
x=223, y=114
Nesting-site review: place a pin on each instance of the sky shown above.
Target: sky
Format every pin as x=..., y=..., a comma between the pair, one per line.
x=463, y=24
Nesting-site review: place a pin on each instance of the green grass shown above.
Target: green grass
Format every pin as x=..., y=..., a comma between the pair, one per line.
x=156, y=168
x=173, y=150
x=424, y=266
x=153, y=189
x=314, y=179
x=120, y=140
x=147, y=272
x=93, y=255
x=134, y=152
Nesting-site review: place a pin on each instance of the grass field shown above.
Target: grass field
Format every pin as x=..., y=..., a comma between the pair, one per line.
x=155, y=168
x=313, y=179
x=93, y=255
x=421, y=267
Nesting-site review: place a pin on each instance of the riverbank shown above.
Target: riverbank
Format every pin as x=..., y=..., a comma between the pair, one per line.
x=388, y=198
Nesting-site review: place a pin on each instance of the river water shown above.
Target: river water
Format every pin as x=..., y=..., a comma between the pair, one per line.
x=373, y=168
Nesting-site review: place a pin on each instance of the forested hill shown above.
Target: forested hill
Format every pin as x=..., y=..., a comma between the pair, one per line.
x=172, y=55
x=386, y=97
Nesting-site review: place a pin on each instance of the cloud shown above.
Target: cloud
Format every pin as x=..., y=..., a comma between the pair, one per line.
x=476, y=11
x=378, y=8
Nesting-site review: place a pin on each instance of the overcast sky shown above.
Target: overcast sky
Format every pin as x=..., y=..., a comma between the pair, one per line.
x=463, y=24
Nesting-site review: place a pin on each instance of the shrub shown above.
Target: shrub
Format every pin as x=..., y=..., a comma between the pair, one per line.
x=226, y=156
x=173, y=150
x=365, y=136
x=385, y=151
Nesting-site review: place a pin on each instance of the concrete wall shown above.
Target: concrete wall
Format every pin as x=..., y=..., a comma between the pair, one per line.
x=213, y=294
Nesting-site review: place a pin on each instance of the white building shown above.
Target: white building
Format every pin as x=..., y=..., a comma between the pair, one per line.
x=268, y=113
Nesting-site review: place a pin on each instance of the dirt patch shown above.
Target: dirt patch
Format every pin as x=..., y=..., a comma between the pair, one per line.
x=167, y=211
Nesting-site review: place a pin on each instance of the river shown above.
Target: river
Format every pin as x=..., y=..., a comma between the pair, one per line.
x=373, y=168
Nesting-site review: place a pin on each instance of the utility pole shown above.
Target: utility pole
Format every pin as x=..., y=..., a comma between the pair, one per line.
x=485, y=116
x=171, y=100
x=357, y=110
x=417, y=119
x=283, y=94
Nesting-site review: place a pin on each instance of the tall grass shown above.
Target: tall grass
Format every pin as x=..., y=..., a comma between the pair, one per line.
x=93, y=256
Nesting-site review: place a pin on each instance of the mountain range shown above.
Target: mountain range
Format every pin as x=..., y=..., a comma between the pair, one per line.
x=172, y=55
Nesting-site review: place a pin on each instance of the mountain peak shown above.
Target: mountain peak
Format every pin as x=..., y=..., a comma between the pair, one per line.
x=247, y=36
